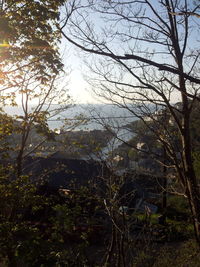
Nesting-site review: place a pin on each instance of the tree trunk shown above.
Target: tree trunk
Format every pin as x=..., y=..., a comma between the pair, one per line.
x=111, y=248
x=19, y=163
x=194, y=202
x=192, y=189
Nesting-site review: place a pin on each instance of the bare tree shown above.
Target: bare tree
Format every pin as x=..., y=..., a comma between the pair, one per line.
x=143, y=57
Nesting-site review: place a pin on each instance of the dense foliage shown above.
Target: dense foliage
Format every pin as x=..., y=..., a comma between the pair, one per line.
x=29, y=39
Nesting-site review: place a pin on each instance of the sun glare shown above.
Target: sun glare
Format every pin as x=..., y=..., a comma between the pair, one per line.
x=4, y=45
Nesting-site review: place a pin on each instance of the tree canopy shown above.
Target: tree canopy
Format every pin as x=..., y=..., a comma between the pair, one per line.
x=29, y=38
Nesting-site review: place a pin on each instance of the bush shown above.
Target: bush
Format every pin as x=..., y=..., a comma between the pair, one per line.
x=178, y=208
x=182, y=254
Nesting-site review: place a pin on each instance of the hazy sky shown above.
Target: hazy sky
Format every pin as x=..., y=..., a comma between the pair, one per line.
x=72, y=58
x=78, y=88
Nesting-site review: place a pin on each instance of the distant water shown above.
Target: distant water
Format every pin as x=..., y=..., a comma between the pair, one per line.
x=85, y=117
x=91, y=117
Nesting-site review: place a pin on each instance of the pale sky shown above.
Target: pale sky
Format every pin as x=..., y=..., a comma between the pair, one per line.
x=78, y=88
